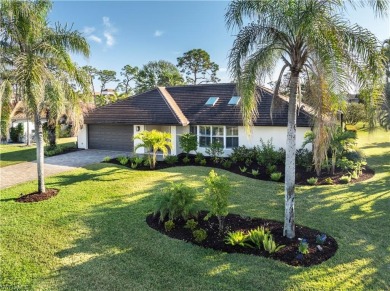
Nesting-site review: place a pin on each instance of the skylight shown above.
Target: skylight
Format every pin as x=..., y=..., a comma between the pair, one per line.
x=211, y=101
x=234, y=100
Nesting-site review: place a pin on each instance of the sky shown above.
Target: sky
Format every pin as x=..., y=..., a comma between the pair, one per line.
x=136, y=32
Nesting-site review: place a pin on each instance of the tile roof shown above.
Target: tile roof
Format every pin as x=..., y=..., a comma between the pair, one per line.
x=182, y=104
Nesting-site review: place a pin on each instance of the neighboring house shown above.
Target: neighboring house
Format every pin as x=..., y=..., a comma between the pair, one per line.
x=28, y=125
x=211, y=111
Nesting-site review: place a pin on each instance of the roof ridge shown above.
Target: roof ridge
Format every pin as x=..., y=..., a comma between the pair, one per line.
x=173, y=105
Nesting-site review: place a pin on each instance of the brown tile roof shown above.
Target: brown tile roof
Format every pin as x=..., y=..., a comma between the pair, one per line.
x=177, y=105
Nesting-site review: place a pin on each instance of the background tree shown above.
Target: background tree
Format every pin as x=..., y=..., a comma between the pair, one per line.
x=198, y=67
x=129, y=74
x=354, y=113
x=106, y=76
x=384, y=113
x=157, y=73
x=35, y=48
x=303, y=34
x=92, y=73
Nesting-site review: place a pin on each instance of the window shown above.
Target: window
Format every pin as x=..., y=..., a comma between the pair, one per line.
x=204, y=136
x=231, y=137
x=234, y=100
x=218, y=134
x=211, y=101
x=194, y=129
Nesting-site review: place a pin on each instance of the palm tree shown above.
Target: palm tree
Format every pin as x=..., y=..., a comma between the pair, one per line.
x=36, y=48
x=302, y=34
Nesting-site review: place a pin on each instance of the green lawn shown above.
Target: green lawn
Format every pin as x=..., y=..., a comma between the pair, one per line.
x=93, y=235
x=18, y=153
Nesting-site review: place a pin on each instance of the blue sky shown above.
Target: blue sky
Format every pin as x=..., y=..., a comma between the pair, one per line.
x=136, y=32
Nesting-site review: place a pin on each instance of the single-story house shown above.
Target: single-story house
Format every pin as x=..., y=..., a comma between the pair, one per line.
x=211, y=111
x=28, y=125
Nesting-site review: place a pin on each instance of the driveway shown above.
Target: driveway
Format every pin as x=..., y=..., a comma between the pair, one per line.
x=24, y=172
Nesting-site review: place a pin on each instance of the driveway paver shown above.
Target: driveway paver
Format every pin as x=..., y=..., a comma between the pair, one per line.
x=24, y=172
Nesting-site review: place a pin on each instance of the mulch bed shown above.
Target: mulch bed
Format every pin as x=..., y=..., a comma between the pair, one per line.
x=234, y=222
x=301, y=174
x=37, y=196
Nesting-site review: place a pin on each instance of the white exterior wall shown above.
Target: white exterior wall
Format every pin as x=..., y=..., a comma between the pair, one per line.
x=82, y=137
x=31, y=127
x=137, y=129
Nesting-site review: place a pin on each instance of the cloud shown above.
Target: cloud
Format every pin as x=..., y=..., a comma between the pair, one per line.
x=106, y=21
x=95, y=38
x=158, y=33
x=109, y=31
x=223, y=69
x=110, y=40
x=88, y=30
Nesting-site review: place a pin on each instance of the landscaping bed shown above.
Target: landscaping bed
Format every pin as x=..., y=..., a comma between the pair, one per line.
x=233, y=222
x=37, y=196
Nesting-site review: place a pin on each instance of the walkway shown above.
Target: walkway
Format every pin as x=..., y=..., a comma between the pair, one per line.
x=24, y=172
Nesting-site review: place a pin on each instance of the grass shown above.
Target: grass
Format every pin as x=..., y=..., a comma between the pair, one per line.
x=93, y=234
x=18, y=153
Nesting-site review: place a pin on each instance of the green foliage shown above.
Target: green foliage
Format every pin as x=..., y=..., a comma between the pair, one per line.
x=354, y=175
x=203, y=162
x=345, y=164
x=176, y=200
x=328, y=181
x=354, y=113
x=16, y=133
x=216, y=196
x=304, y=158
x=312, y=181
x=303, y=247
x=227, y=163
x=191, y=224
x=186, y=160
x=236, y=238
x=242, y=154
x=270, y=169
x=107, y=159
x=199, y=157
x=345, y=179
x=255, y=173
x=256, y=236
x=215, y=151
x=169, y=225
x=129, y=74
x=188, y=142
x=276, y=176
x=199, y=235
x=243, y=169
x=50, y=151
x=270, y=245
x=171, y=159
x=136, y=161
x=123, y=160
x=154, y=141
x=198, y=67
x=267, y=155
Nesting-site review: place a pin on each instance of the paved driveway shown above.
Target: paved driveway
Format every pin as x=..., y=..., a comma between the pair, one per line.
x=27, y=171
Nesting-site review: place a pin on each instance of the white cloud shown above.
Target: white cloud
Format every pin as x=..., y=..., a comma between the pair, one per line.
x=110, y=40
x=222, y=69
x=95, y=38
x=158, y=33
x=88, y=30
x=106, y=21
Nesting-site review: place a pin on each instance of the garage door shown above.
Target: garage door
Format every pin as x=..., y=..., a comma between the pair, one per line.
x=110, y=137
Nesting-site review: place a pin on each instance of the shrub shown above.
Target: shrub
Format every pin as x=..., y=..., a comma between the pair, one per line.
x=199, y=235
x=186, y=160
x=203, y=162
x=215, y=151
x=242, y=153
x=236, y=238
x=270, y=169
x=255, y=173
x=270, y=245
x=243, y=169
x=304, y=158
x=354, y=113
x=345, y=164
x=16, y=133
x=328, y=181
x=136, y=161
x=191, y=224
x=354, y=175
x=177, y=200
x=50, y=151
x=216, y=196
x=267, y=155
x=303, y=247
x=276, y=176
x=345, y=179
x=123, y=160
x=256, y=236
x=170, y=160
x=188, y=142
x=312, y=181
x=169, y=225
x=107, y=159
x=199, y=157
x=227, y=164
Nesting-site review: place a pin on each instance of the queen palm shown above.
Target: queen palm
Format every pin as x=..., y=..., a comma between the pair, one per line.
x=35, y=49
x=306, y=35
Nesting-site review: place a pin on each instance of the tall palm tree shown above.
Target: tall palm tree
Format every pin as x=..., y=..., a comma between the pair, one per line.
x=36, y=48
x=302, y=34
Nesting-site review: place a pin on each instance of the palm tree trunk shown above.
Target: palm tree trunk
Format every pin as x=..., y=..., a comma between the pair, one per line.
x=28, y=142
x=289, y=212
x=40, y=152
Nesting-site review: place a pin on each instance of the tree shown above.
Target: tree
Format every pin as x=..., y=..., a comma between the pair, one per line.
x=354, y=113
x=106, y=76
x=34, y=48
x=92, y=72
x=157, y=73
x=154, y=141
x=198, y=67
x=307, y=35
x=384, y=113
x=129, y=74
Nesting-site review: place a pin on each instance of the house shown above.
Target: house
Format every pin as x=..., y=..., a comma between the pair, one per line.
x=28, y=125
x=211, y=111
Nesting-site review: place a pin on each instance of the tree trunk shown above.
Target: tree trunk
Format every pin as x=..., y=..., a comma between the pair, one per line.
x=40, y=152
x=28, y=142
x=289, y=186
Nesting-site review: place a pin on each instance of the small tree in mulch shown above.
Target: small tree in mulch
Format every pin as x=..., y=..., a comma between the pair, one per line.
x=188, y=142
